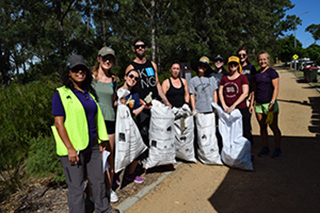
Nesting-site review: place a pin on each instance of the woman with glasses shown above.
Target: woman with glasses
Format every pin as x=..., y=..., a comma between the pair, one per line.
x=79, y=124
x=247, y=69
x=136, y=106
x=233, y=91
x=220, y=70
x=175, y=88
x=265, y=93
x=105, y=85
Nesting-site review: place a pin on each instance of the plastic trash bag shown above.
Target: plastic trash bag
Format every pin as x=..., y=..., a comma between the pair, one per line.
x=236, y=150
x=161, y=136
x=208, y=150
x=128, y=141
x=269, y=118
x=184, y=133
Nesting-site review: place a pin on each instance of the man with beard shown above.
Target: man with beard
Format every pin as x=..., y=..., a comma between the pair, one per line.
x=149, y=82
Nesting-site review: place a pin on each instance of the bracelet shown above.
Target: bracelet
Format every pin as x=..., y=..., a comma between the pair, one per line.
x=271, y=102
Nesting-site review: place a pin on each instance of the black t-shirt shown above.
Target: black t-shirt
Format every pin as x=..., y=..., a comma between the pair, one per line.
x=147, y=81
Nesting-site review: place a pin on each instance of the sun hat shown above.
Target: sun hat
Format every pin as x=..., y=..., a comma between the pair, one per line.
x=75, y=60
x=106, y=51
x=236, y=60
x=203, y=60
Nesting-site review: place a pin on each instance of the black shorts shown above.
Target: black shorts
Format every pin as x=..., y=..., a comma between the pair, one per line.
x=111, y=127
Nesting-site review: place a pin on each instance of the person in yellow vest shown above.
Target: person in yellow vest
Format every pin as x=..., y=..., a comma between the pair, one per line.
x=78, y=129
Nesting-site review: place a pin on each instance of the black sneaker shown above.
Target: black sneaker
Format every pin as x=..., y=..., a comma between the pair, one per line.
x=115, y=211
x=277, y=153
x=264, y=151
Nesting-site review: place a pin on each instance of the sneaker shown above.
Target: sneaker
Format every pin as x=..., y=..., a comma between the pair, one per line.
x=115, y=211
x=113, y=197
x=277, y=153
x=264, y=151
x=135, y=178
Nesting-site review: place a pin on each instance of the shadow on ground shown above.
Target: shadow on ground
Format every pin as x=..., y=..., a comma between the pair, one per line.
x=315, y=118
x=290, y=183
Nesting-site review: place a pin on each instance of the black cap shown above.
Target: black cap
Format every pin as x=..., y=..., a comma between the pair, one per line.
x=75, y=60
x=218, y=57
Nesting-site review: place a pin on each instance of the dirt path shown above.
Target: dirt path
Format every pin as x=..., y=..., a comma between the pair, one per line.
x=288, y=184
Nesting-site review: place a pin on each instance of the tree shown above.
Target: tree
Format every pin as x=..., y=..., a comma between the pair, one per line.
x=314, y=29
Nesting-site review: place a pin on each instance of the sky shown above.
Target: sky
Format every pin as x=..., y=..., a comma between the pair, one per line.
x=312, y=17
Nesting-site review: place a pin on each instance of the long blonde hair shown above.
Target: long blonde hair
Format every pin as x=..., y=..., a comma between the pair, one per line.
x=95, y=69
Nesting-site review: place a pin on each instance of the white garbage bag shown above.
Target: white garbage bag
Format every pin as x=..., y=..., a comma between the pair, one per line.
x=236, y=150
x=161, y=136
x=184, y=133
x=128, y=141
x=208, y=150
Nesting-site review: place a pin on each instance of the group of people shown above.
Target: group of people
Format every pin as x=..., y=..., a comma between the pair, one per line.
x=84, y=110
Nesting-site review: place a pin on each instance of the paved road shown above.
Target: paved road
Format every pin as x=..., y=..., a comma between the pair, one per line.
x=288, y=184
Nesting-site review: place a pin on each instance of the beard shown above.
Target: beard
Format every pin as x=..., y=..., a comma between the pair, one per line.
x=140, y=55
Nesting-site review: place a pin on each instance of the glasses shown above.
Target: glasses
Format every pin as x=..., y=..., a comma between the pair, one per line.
x=108, y=58
x=242, y=55
x=218, y=60
x=134, y=77
x=140, y=45
x=233, y=64
x=201, y=65
x=78, y=68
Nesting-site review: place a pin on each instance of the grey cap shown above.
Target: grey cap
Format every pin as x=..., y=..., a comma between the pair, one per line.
x=75, y=60
x=106, y=51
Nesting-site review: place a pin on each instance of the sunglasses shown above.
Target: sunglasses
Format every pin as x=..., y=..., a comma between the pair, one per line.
x=201, y=65
x=140, y=45
x=78, y=68
x=218, y=60
x=242, y=55
x=234, y=64
x=133, y=77
x=108, y=58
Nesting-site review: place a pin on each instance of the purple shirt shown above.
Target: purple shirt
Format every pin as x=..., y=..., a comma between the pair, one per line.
x=264, y=85
x=89, y=105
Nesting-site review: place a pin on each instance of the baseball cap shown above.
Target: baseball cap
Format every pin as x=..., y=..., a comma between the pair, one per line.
x=234, y=59
x=106, y=51
x=75, y=60
x=218, y=57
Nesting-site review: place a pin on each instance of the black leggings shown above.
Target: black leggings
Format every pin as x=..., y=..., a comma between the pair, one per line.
x=246, y=123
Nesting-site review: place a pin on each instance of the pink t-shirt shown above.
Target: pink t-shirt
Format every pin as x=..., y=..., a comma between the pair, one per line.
x=232, y=90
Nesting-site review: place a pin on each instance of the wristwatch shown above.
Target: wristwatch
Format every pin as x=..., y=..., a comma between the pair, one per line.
x=271, y=102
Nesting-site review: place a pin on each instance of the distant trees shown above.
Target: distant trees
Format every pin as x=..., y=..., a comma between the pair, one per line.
x=37, y=36
x=314, y=29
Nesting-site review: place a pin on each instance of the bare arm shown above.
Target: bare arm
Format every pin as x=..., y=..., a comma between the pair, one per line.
x=193, y=101
x=221, y=97
x=72, y=153
x=275, y=84
x=160, y=92
x=137, y=111
x=243, y=96
x=215, y=97
x=186, y=91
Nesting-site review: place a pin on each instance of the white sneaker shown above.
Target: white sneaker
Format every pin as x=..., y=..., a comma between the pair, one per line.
x=113, y=197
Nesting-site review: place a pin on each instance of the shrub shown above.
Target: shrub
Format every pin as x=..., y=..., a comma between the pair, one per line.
x=43, y=160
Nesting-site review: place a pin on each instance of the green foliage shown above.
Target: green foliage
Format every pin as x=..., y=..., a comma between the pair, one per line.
x=43, y=160
x=285, y=48
x=314, y=29
x=25, y=115
x=313, y=52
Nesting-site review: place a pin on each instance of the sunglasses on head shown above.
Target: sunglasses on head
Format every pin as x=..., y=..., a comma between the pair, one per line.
x=242, y=55
x=107, y=58
x=78, y=68
x=140, y=45
x=133, y=77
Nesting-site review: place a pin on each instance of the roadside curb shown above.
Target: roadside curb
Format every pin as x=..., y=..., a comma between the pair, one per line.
x=318, y=89
x=130, y=201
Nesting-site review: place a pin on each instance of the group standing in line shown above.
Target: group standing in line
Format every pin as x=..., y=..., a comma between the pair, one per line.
x=84, y=110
